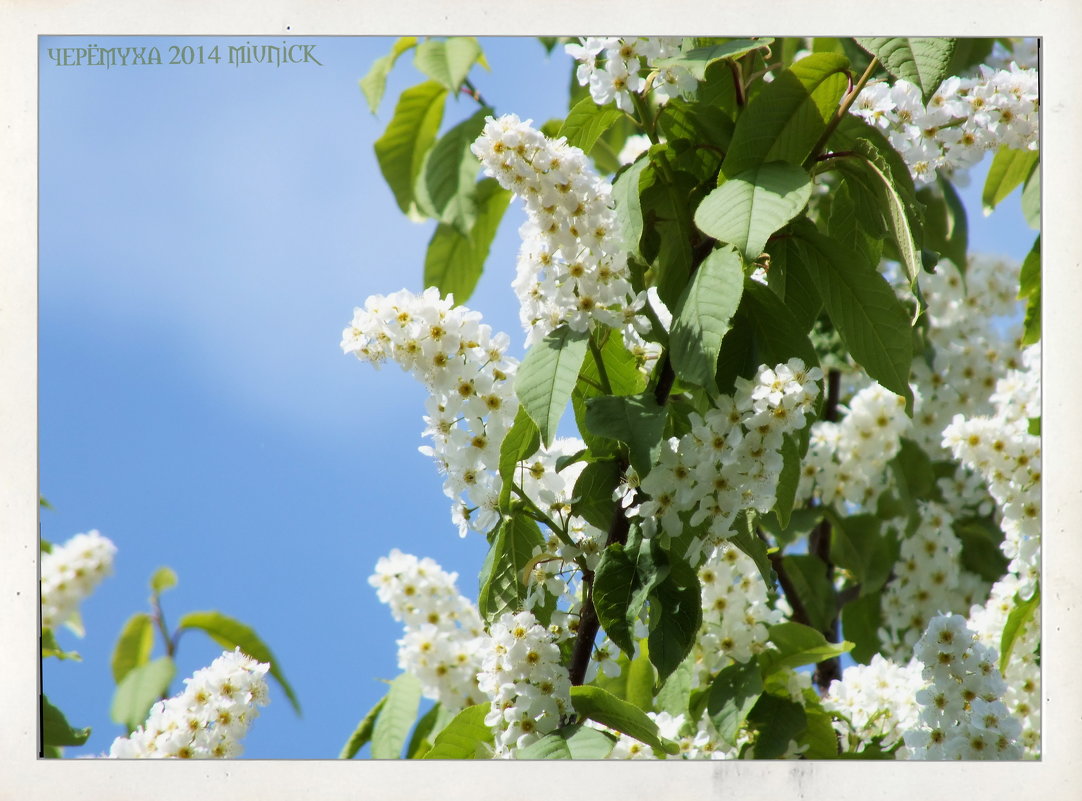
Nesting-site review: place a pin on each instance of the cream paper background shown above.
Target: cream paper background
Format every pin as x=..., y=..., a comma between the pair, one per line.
x=22, y=776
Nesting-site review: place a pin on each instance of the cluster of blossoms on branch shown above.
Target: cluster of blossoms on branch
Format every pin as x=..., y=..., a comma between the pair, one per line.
x=731, y=458
x=443, y=636
x=464, y=366
x=208, y=719
x=528, y=687
x=964, y=119
x=612, y=68
x=70, y=572
x=572, y=265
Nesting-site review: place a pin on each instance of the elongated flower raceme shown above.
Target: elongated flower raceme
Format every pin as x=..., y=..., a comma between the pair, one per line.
x=463, y=364
x=70, y=572
x=205, y=721
x=572, y=266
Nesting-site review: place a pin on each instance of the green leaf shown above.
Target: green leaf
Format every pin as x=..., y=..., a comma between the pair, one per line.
x=637, y=420
x=623, y=580
x=447, y=61
x=696, y=61
x=592, y=497
x=787, y=117
x=230, y=634
x=446, y=189
x=764, y=331
x=946, y=228
x=134, y=645
x=788, y=480
x=702, y=317
x=798, y=645
x=397, y=716
x=547, y=376
x=898, y=214
x=412, y=130
x=430, y=725
x=675, y=694
x=55, y=730
x=640, y=679
x=453, y=262
x=608, y=710
x=140, y=688
x=576, y=741
x=164, y=578
x=375, y=82
x=586, y=122
x=808, y=574
x=733, y=694
x=981, y=553
x=746, y=209
x=923, y=61
x=1031, y=199
x=748, y=541
x=50, y=647
x=625, y=195
x=1009, y=169
x=666, y=204
x=913, y=472
x=1021, y=615
x=502, y=587
x=1030, y=288
x=778, y=720
x=521, y=441
x=819, y=736
x=675, y=616
x=363, y=733
x=863, y=307
x=464, y=736
x=857, y=545
x=861, y=620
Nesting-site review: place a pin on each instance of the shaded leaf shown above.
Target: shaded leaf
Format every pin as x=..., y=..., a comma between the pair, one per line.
x=446, y=185
x=56, y=732
x=778, y=720
x=605, y=708
x=675, y=615
x=696, y=61
x=453, y=262
x=798, y=645
x=733, y=694
x=1021, y=615
x=502, y=589
x=703, y=315
x=592, y=497
x=520, y=442
x=637, y=420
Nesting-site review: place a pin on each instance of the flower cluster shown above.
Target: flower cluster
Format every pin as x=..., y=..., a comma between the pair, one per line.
x=521, y=674
x=962, y=715
x=1023, y=669
x=736, y=609
x=463, y=364
x=928, y=580
x=612, y=67
x=965, y=118
x=70, y=572
x=846, y=460
x=443, y=636
x=969, y=355
x=877, y=702
x=1000, y=448
x=731, y=458
x=572, y=266
x=205, y=721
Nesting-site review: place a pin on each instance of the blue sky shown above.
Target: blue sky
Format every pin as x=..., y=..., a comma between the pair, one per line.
x=205, y=232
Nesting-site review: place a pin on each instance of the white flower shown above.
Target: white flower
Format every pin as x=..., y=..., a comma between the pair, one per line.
x=70, y=572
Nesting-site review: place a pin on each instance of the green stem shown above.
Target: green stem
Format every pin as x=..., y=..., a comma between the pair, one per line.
x=843, y=109
x=645, y=119
x=541, y=517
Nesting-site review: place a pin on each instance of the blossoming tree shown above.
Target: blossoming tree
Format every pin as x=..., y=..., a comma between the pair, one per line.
x=794, y=508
